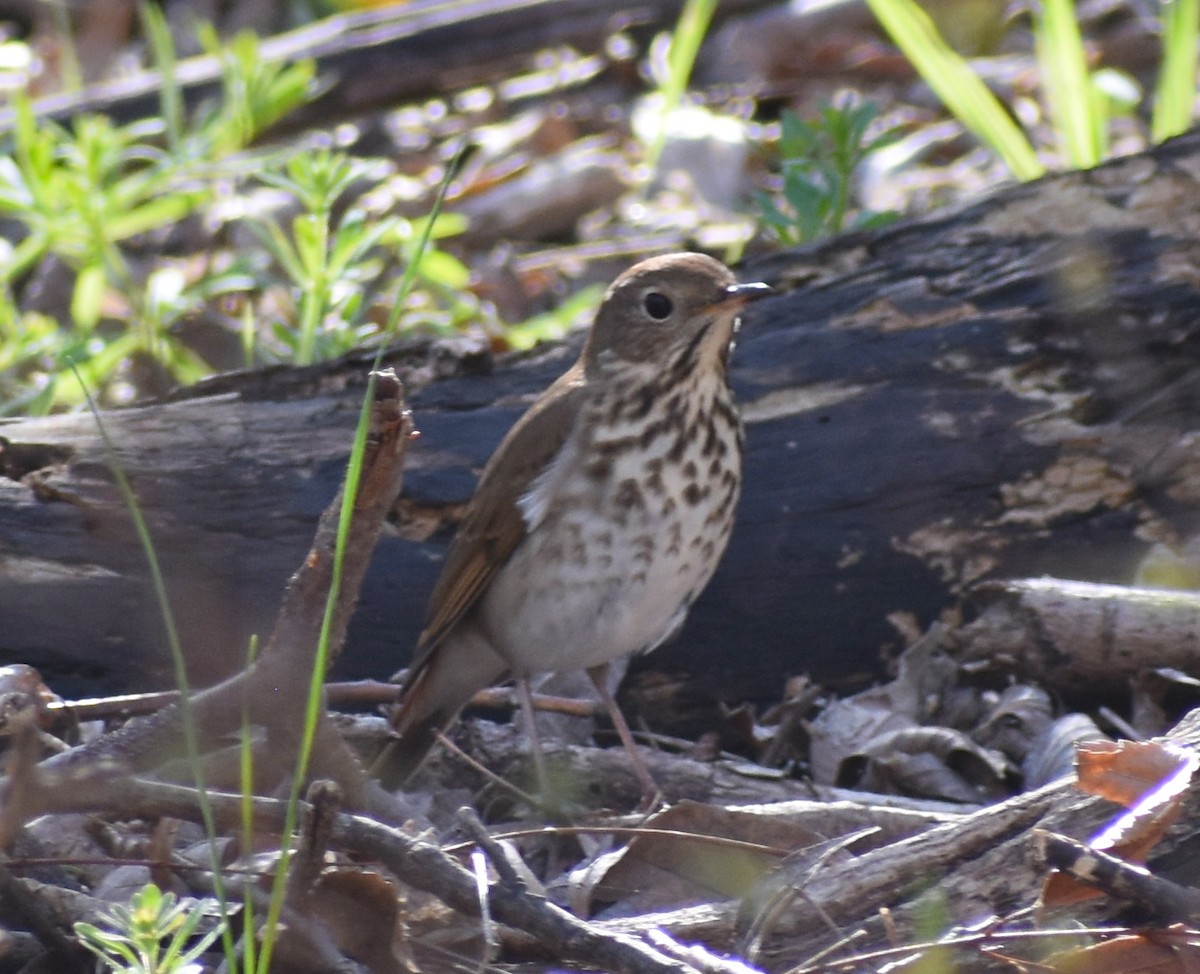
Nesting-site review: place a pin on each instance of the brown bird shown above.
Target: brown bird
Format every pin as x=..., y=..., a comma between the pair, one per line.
x=601, y=515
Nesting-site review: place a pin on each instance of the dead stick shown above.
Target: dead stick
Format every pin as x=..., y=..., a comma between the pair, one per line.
x=255, y=695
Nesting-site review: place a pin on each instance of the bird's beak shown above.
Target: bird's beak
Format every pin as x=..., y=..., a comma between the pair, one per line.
x=735, y=295
x=749, y=292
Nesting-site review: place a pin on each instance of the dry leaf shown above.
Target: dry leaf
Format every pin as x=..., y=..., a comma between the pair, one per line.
x=1176, y=951
x=1149, y=779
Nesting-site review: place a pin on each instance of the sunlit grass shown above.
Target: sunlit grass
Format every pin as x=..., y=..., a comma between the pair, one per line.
x=1079, y=110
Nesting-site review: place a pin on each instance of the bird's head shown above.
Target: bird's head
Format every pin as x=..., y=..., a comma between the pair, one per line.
x=676, y=311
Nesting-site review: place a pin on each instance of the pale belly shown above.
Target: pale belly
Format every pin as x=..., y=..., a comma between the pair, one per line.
x=612, y=567
x=545, y=615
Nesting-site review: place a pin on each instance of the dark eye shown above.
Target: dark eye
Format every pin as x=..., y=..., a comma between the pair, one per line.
x=658, y=306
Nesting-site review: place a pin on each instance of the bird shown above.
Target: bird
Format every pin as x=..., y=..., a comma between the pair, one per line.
x=601, y=515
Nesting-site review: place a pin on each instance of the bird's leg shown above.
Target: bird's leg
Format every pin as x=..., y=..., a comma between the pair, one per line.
x=525, y=694
x=651, y=796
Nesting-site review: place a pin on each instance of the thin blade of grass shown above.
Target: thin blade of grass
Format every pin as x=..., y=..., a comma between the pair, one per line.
x=1175, y=93
x=685, y=45
x=354, y=471
x=170, y=98
x=246, y=784
x=1068, y=82
x=187, y=716
x=959, y=88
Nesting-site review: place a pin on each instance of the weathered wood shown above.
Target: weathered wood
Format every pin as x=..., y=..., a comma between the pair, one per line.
x=1067, y=635
x=1002, y=391
x=379, y=58
x=963, y=872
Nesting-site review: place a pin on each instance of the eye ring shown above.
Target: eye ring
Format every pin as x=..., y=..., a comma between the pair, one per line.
x=658, y=306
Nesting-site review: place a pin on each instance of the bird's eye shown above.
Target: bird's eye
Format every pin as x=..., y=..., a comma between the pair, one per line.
x=658, y=305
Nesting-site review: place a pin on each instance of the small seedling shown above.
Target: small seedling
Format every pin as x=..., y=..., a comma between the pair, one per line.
x=819, y=160
x=93, y=196
x=154, y=934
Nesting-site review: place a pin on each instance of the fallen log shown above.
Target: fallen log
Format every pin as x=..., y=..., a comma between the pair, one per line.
x=1000, y=391
x=1073, y=636
x=377, y=58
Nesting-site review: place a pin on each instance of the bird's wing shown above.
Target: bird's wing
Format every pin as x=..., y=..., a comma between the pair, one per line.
x=494, y=524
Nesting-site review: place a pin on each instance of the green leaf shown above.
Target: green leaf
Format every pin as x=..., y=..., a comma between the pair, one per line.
x=808, y=203
x=170, y=98
x=277, y=242
x=309, y=237
x=15, y=196
x=686, y=39
x=351, y=242
x=445, y=269
x=88, y=298
x=160, y=212
x=24, y=255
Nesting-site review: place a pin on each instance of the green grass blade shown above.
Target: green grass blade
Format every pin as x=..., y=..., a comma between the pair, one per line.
x=1073, y=104
x=959, y=88
x=685, y=45
x=1175, y=94
x=354, y=471
x=187, y=717
x=170, y=98
x=246, y=785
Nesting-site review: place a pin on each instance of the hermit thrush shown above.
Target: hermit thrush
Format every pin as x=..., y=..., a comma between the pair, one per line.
x=601, y=515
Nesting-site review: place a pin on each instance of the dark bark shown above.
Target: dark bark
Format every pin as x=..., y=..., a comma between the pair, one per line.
x=1001, y=391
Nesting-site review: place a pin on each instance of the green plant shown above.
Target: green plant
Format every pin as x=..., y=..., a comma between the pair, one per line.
x=81, y=193
x=324, y=260
x=151, y=935
x=819, y=159
x=97, y=201
x=91, y=196
x=329, y=260
x=82, y=196
x=1078, y=100
x=255, y=92
x=1076, y=107
x=1175, y=94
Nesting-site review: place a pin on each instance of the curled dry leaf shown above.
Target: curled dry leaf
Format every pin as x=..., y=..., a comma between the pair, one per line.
x=840, y=731
x=1053, y=752
x=933, y=762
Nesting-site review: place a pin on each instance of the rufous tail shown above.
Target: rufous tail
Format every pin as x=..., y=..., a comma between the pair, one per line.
x=453, y=673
